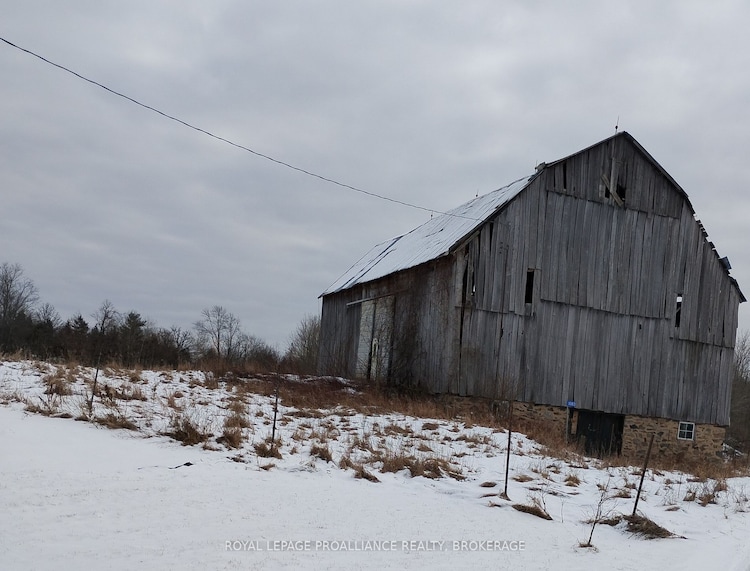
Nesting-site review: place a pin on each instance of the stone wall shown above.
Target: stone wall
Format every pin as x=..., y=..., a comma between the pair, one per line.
x=706, y=444
x=556, y=416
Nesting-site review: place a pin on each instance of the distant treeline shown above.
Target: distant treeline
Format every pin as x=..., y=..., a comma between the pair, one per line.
x=738, y=434
x=216, y=341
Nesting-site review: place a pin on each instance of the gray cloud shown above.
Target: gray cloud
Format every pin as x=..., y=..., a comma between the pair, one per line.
x=425, y=102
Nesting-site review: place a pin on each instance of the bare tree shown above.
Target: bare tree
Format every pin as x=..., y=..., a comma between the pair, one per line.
x=18, y=295
x=219, y=331
x=738, y=434
x=47, y=324
x=48, y=314
x=181, y=340
x=742, y=356
x=603, y=509
x=107, y=319
x=302, y=355
x=256, y=352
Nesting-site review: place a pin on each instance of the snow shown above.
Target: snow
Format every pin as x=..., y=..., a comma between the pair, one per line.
x=430, y=241
x=77, y=495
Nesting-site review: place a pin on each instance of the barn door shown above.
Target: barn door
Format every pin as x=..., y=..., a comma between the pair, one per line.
x=599, y=433
x=466, y=353
x=375, y=338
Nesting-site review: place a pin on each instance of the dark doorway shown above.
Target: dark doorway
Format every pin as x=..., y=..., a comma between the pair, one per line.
x=599, y=433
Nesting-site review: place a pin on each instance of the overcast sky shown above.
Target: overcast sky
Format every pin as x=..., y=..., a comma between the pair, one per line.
x=425, y=102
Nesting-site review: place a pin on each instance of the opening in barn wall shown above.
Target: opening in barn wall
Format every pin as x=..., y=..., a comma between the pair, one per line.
x=529, y=294
x=374, y=344
x=598, y=433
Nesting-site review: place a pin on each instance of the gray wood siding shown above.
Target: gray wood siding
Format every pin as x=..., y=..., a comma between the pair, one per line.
x=339, y=327
x=620, y=364
x=424, y=338
x=601, y=330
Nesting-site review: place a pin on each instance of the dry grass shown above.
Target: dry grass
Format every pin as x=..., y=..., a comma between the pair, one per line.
x=129, y=391
x=184, y=428
x=309, y=394
x=135, y=377
x=321, y=451
x=393, y=462
x=114, y=421
x=265, y=450
x=360, y=471
x=47, y=405
x=709, y=490
x=541, y=468
x=236, y=420
x=623, y=493
x=641, y=525
x=424, y=448
x=612, y=519
x=432, y=468
x=572, y=480
x=553, y=441
x=474, y=439
x=237, y=406
x=365, y=444
x=59, y=382
x=172, y=400
x=231, y=437
x=396, y=430
x=7, y=397
x=532, y=509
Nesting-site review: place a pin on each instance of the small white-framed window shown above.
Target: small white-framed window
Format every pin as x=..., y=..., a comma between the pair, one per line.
x=686, y=431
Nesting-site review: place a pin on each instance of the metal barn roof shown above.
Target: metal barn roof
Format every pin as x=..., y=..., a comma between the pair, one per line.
x=429, y=241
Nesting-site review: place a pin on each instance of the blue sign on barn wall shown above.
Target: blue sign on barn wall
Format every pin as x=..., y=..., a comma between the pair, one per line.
x=571, y=404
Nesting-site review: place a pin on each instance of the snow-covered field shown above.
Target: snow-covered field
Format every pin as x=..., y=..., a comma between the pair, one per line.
x=78, y=495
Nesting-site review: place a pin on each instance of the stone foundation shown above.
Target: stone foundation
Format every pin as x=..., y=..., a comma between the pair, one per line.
x=555, y=416
x=705, y=445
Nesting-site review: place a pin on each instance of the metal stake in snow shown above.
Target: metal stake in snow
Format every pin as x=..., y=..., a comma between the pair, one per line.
x=275, y=412
x=643, y=473
x=504, y=495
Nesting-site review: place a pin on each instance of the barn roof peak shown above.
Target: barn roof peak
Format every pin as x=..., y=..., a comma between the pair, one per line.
x=440, y=235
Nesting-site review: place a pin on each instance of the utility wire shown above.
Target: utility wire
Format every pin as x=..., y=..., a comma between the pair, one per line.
x=227, y=141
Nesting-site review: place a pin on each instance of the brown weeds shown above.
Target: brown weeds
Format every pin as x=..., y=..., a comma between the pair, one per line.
x=532, y=509
x=643, y=526
x=115, y=421
x=321, y=451
x=187, y=430
x=265, y=450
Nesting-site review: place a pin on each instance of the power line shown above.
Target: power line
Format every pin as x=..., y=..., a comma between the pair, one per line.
x=225, y=140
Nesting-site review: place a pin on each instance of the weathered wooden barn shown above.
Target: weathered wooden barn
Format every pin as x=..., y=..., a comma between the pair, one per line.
x=589, y=293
